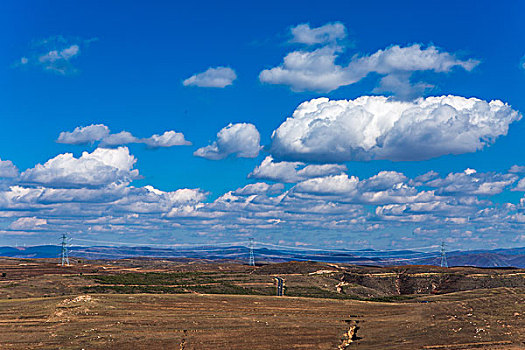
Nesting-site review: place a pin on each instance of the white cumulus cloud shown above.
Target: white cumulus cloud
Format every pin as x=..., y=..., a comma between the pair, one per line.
x=517, y=169
x=520, y=186
x=218, y=77
x=8, y=169
x=100, y=132
x=375, y=127
x=118, y=139
x=259, y=188
x=293, y=171
x=241, y=139
x=27, y=223
x=99, y=168
x=84, y=134
x=337, y=184
x=327, y=33
x=91, y=195
x=317, y=69
x=472, y=182
x=168, y=139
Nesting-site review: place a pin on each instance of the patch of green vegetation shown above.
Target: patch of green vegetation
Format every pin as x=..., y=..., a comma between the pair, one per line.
x=225, y=288
x=313, y=292
x=389, y=299
x=266, y=291
x=316, y=292
x=208, y=283
x=133, y=289
x=154, y=278
x=10, y=285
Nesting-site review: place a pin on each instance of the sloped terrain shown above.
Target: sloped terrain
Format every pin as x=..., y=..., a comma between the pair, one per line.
x=195, y=304
x=481, y=319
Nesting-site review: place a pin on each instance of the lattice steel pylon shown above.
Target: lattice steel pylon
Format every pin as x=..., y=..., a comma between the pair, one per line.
x=64, y=255
x=251, y=262
x=443, y=255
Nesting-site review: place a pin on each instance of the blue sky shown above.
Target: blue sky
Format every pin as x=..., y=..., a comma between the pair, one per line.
x=122, y=65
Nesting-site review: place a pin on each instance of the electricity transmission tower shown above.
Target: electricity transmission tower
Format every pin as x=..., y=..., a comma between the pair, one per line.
x=443, y=255
x=64, y=255
x=252, y=258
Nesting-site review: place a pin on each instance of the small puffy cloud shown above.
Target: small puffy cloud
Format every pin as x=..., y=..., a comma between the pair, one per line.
x=101, y=167
x=28, y=223
x=329, y=185
x=309, y=71
x=520, y=186
x=64, y=54
x=411, y=58
x=317, y=70
x=99, y=132
x=83, y=135
x=289, y=172
x=517, y=169
x=383, y=181
x=180, y=196
x=8, y=169
x=472, y=182
x=328, y=33
x=385, y=187
x=375, y=127
x=218, y=77
x=318, y=170
x=118, y=139
x=168, y=139
x=241, y=139
x=58, y=60
x=259, y=188
x=276, y=171
x=430, y=175
x=54, y=54
x=401, y=86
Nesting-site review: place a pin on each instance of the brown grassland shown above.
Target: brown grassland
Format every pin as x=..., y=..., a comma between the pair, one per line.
x=186, y=304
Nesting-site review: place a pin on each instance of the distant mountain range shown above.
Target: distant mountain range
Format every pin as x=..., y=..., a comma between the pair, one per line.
x=514, y=257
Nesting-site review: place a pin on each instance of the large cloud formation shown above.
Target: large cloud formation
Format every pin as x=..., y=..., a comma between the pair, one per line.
x=93, y=196
x=101, y=167
x=316, y=69
x=241, y=139
x=376, y=127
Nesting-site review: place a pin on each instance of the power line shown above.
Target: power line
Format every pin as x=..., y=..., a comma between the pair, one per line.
x=243, y=243
x=309, y=257
x=315, y=253
x=178, y=245
x=341, y=250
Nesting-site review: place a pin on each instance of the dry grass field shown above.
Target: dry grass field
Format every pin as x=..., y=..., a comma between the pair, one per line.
x=200, y=305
